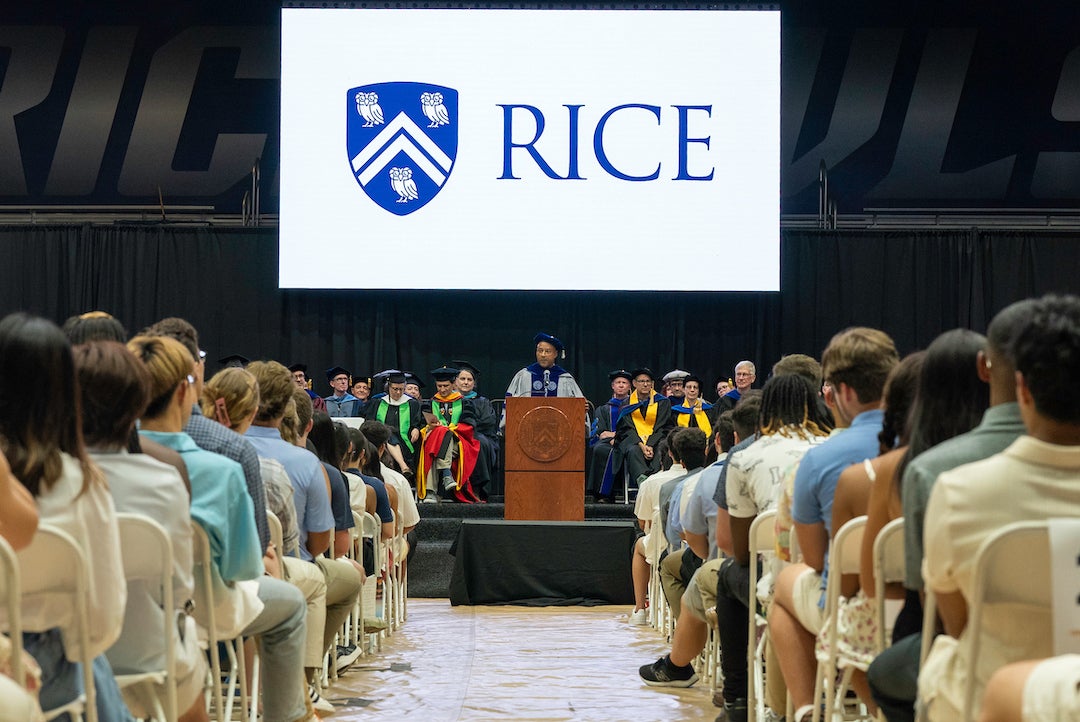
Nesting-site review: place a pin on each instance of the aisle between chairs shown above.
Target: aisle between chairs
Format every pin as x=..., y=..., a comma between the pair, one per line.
x=522, y=663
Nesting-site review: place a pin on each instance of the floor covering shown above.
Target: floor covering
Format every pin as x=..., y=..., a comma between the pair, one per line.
x=521, y=663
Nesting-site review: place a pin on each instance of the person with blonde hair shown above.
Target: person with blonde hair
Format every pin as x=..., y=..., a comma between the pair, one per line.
x=268, y=607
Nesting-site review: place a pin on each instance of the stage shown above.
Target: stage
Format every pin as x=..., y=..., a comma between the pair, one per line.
x=432, y=565
x=543, y=563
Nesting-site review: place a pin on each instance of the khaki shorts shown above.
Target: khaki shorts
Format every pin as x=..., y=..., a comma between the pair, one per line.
x=806, y=593
x=700, y=593
x=1052, y=691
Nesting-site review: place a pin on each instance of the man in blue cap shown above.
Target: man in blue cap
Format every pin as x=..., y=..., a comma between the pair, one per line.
x=545, y=377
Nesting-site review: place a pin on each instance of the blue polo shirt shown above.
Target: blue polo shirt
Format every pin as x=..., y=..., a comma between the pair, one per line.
x=313, y=512
x=815, y=481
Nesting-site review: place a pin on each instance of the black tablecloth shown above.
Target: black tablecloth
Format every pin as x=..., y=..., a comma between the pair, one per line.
x=543, y=563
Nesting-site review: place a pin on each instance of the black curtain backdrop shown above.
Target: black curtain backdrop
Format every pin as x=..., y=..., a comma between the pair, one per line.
x=912, y=284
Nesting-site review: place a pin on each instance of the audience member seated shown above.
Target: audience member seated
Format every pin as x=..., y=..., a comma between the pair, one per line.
x=602, y=439
x=100, y=326
x=449, y=449
x=857, y=485
x=785, y=431
x=344, y=577
x=314, y=514
x=115, y=390
x=361, y=453
x=331, y=441
x=18, y=522
x=1037, y=475
x=41, y=437
x=231, y=397
x=485, y=430
x=648, y=547
x=855, y=365
x=213, y=437
x=1035, y=690
x=698, y=517
x=94, y=326
x=406, y=514
x=673, y=508
x=686, y=446
x=644, y=420
x=250, y=603
x=892, y=675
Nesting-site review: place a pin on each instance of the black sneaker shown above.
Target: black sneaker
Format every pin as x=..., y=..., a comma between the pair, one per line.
x=733, y=711
x=662, y=673
x=346, y=656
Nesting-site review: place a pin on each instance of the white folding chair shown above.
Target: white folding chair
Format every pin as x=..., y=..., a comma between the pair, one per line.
x=351, y=628
x=11, y=591
x=54, y=564
x=1012, y=570
x=762, y=541
x=236, y=682
x=844, y=556
x=148, y=558
x=371, y=528
x=889, y=567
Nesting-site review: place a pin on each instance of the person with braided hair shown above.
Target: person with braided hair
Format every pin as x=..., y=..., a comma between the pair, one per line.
x=789, y=423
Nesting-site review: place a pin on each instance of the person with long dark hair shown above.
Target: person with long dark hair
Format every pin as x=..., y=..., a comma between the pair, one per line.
x=115, y=390
x=41, y=435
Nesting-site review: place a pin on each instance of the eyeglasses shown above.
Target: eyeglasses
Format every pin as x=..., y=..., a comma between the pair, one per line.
x=742, y=374
x=643, y=381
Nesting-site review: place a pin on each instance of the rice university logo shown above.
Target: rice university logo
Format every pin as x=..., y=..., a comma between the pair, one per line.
x=402, y=141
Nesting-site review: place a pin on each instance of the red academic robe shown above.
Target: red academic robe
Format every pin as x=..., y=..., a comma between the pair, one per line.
x=464, y=462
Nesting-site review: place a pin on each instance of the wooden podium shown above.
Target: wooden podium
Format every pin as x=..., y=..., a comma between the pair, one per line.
x=545, y=459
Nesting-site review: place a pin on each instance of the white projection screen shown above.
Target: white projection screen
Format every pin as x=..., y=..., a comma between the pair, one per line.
x=530, y=149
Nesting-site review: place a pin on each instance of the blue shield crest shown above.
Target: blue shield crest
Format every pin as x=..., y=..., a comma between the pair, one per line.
x=402, y=141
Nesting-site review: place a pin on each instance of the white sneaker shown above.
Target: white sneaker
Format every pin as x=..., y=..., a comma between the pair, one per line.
x=639, y=618
x=317, y=702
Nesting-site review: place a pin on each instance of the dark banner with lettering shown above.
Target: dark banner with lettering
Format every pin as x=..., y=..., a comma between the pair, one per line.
x=940, y=108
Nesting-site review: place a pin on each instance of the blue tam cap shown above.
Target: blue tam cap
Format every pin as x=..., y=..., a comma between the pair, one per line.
x=548, y=338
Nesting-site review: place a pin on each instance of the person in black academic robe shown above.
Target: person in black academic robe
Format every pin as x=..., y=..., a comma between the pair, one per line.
x=485, y=430
x=449, y=449
x=602, y=440
x=402, y=415
x=693, y=412
x=644, y=421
